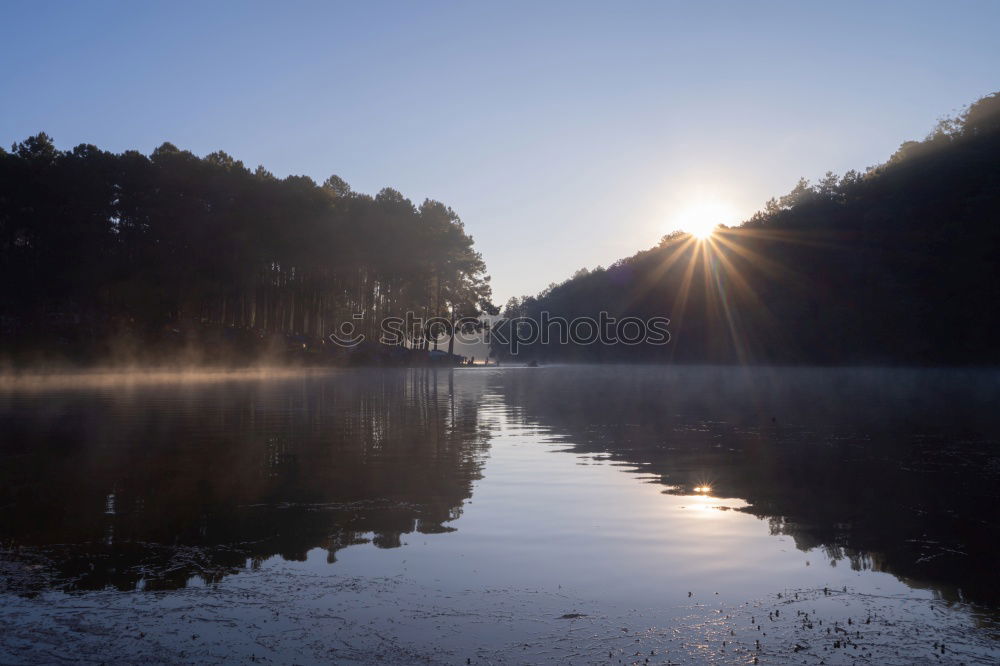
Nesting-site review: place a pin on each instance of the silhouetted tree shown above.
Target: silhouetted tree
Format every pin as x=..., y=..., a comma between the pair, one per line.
x=894, y=265
x=96, y=247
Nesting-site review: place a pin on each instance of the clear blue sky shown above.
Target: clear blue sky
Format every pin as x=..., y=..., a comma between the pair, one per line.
x=564, y=134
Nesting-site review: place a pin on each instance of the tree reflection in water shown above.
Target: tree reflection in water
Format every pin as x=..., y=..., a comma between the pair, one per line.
x=892, y=470
x=149, y=487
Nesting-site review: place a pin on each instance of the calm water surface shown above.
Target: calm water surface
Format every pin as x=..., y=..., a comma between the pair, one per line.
x=504, y=515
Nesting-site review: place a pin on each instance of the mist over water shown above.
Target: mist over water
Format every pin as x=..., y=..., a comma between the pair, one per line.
x=607, y=488
x=115, y=377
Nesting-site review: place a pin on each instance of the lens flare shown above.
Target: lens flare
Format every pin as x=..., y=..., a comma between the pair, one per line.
x=701, y=219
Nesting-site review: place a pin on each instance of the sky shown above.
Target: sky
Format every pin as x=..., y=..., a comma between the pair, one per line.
x=565, y=134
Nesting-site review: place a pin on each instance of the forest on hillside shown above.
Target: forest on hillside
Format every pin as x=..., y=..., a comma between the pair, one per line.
x=896, y=264
x=107, y=255
x=171, y=255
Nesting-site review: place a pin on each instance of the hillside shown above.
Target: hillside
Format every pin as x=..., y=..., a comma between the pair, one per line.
x=127, y=257
x=897, y=264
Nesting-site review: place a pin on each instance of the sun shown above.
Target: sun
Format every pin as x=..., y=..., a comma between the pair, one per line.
x=702, y=218
x=701, y=230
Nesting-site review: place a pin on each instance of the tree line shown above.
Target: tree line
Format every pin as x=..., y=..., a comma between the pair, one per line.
x=98, y=247
x=896, y=264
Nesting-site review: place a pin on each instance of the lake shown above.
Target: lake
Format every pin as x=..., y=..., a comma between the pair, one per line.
x=503, y=515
